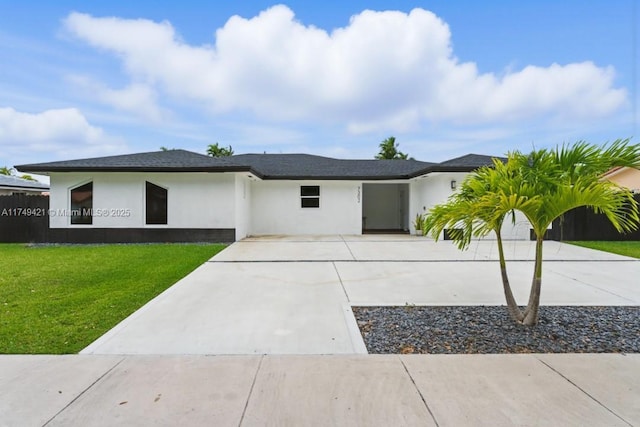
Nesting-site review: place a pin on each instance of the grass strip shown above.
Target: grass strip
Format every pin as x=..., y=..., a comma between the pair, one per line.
x=630, y=249
x=59, y=299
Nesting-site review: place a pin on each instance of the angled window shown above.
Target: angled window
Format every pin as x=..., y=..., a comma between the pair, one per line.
x=310, y=196
x=156, y=204
x=82, y=204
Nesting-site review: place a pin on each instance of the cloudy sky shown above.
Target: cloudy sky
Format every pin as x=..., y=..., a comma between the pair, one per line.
x=446, y=78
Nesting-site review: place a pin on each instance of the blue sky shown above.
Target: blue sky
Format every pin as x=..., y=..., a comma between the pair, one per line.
x=86, y=79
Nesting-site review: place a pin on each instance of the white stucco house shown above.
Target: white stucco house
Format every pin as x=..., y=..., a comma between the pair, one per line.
x=178, y=195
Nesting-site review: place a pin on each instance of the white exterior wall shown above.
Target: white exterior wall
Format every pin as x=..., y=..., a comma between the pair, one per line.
x=195, y=200
x=242, y=206
x=430, y=190
x=242, y=202
x=435, y=188
x=275, y=208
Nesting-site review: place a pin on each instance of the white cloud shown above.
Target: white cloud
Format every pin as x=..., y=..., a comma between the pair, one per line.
x=59, y=132
x=385, y=70
x=136, y=98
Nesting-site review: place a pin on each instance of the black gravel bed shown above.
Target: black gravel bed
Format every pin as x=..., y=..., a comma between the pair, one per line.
x=489, y=329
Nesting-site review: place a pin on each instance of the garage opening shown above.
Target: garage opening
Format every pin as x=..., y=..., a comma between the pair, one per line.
x=385, y=208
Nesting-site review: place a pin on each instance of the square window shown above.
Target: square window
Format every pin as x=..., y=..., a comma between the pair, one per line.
x=311, y=202
x=310, y=196
x=310, y=191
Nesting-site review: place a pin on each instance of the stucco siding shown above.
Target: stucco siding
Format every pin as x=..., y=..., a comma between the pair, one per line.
x=242, y=206
x=436, y=188
x=430, y=190
x=195, y=200
x=275, y=208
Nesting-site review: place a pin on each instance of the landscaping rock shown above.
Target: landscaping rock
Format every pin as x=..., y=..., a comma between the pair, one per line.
x=489, y=329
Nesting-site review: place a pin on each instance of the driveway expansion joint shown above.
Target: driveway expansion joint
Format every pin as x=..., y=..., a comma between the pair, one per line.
x=348, y=248
x=253, y=383
x=585, y=392
x=346, y=295
x=419, y=392
x=90, y=386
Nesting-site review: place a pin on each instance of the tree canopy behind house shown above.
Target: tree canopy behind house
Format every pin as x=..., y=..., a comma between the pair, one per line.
x=215, y=150
x=5, y=170
x=389, y=150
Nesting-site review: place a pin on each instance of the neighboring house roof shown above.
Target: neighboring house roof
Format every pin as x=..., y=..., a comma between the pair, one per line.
x=625, y=177
x=9, y=182
x=264, y=166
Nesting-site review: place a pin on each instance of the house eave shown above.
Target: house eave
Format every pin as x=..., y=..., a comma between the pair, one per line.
x=454, y=168
x=335, y=178
x=21, y=188
x=164, y=169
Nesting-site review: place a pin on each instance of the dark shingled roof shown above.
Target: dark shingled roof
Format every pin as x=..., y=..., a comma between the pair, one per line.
x=467, y=162
x=17, y=183
x=158, y=161
x=265, y=166
x=306, y=166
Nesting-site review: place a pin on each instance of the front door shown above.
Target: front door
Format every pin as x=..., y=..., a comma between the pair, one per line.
x=385, y=208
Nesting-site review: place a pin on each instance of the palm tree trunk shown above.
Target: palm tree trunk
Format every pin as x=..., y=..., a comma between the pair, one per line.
x=531, y=317
x=512, y=305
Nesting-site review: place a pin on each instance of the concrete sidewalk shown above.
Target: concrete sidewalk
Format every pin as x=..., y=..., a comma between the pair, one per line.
x=293, y=295
x=391, y=390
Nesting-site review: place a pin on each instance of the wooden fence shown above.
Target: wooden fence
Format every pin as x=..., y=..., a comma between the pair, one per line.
x=24, y=218
x=584, y=224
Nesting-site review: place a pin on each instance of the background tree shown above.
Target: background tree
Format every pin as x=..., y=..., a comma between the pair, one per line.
x=389, y=150
x=214, y=150
x=5, y=170
x=543, y=185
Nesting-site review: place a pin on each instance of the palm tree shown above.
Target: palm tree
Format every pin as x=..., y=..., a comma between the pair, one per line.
x=389, y=150
x=567, y=178
x=5, y=170
x=472, y=212
x=215, y=150
x=543, y=185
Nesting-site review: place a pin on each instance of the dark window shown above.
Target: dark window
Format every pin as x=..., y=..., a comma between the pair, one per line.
x=156, y=202
x=310, y=196
x=82, y=204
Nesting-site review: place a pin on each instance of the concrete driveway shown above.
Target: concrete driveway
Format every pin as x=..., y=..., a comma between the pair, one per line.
x=292, y=295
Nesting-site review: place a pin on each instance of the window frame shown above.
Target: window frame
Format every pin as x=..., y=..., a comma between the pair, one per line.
x=310, y=197
x=72, y=209
x=164, y=220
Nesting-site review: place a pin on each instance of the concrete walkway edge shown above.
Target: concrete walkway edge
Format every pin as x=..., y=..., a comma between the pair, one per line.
x=372, y=390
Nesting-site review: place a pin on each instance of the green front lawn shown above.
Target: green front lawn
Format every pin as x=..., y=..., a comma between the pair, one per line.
x=58, y=299
x=631, y=249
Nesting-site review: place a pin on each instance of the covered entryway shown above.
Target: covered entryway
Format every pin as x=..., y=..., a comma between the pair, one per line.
x=385, y=208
